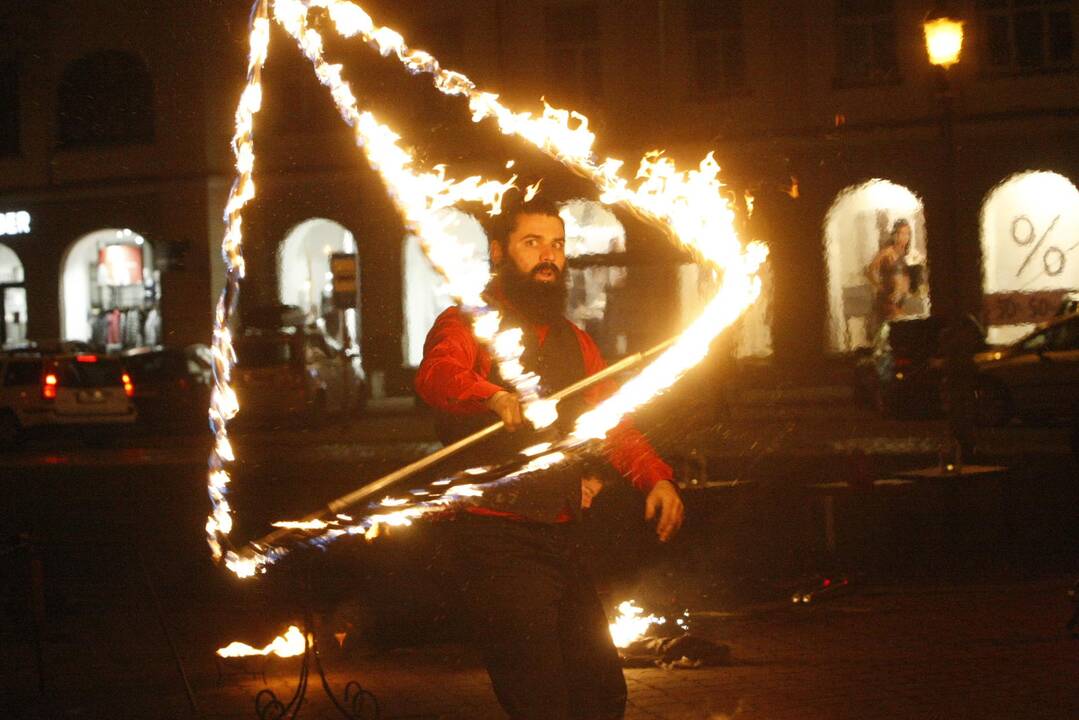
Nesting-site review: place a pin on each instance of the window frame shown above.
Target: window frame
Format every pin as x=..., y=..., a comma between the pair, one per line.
x=866, y=24
x=730, y=81
x=11, y=72
x=587, y=77
x=71, y=114
x=1009, y=12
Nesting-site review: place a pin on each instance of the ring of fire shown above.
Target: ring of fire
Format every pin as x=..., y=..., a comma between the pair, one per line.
x=688, y=205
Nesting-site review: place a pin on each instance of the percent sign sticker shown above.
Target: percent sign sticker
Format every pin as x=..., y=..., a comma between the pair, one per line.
x=1053, y=259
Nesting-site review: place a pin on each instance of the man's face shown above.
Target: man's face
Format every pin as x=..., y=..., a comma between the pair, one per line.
x=536, y=247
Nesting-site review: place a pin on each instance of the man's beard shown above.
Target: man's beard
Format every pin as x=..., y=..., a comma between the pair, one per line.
x=538, y=301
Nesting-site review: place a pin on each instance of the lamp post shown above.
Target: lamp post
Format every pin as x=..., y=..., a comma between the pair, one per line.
x=944, y=45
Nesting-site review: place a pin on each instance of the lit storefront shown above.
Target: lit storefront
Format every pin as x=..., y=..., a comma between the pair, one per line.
x=1029, y=231
x=864, y=291
x=12, y=298
x=110, y=291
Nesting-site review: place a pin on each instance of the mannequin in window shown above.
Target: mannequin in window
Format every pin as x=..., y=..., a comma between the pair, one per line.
x=889, y=275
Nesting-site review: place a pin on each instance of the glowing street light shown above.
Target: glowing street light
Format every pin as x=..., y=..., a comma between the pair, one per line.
x=944, y=44
x=943, y=40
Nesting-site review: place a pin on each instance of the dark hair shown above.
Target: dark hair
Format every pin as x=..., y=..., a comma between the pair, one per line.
x=894, y=234
x=499, y=227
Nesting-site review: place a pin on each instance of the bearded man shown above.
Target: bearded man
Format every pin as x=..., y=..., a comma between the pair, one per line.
x=532, y=607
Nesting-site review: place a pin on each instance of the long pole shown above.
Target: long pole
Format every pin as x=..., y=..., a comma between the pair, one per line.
x=386, y=481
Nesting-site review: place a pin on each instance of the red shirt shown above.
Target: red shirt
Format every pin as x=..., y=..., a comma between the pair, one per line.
x=453, y=378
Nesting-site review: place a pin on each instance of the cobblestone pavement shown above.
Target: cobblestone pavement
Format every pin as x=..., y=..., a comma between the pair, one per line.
x=916, y=651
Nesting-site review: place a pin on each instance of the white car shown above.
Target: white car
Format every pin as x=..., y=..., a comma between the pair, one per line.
x=39, y=390
x=300, y=375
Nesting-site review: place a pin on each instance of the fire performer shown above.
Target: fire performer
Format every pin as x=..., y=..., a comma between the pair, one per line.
x=533, y=609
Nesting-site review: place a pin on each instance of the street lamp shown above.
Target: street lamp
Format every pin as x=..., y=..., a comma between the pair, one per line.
x=944, y=45
x=943, y=40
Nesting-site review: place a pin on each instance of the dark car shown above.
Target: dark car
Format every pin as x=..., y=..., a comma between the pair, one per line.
x=172, y=385
x=1035, y=380
x=901, y=375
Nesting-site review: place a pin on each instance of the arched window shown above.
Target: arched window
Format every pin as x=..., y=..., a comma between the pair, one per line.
x=425, y=291
x=862, y=222
x=304, y=278
x=110, y=291
x=12, y=298
x=1030, y=226
x=105, y=98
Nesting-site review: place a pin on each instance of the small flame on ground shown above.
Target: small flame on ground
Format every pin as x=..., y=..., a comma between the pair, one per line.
x=289, y=644
x=631, y=624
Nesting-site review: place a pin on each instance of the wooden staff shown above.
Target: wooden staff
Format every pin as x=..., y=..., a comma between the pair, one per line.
x=332, y=509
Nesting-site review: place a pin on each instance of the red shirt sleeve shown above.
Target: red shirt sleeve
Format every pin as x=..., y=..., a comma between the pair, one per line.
x=627, y=449
x=452, y=376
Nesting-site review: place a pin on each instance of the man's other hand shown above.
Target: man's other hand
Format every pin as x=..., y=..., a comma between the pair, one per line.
x=507, y=407
x=664, y=497
x=591, y=486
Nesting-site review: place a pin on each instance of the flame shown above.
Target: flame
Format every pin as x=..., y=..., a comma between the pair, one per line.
x=631, y=624
x=289, y=644
x=690, y=204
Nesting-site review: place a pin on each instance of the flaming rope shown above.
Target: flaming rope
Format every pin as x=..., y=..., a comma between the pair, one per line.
x=689, y=205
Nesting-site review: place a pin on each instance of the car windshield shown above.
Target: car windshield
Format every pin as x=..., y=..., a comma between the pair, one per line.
x=264, y=352
x=99, y=373
x=158, y=365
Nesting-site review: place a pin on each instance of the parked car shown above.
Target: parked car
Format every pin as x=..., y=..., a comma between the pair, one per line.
x=298, y=375
x=1036, y=379
x=901, y=375
x=172, y=385
x=39, y=390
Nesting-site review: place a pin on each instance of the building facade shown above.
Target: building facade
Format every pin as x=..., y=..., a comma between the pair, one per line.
x=115, y=162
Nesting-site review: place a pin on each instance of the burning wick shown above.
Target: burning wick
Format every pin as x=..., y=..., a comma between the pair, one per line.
x=288, y=645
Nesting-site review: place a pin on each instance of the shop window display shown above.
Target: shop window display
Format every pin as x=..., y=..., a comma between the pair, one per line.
x=1030, y=251
x=304, y=278
x=875, y=252
x=12, y=299
x=425, y=291
x=596, y=298
x=751, y=335
x=110, y=291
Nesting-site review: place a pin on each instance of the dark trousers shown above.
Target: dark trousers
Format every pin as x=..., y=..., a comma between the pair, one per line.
x=535, y=616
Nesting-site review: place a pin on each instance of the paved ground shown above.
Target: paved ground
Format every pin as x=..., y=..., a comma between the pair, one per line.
x=984, y=641
x=980, y=651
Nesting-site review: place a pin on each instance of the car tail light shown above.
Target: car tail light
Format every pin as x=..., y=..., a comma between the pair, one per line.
x=48, y=386
x=903, y=362
x=129, y=387
x=86, y=358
